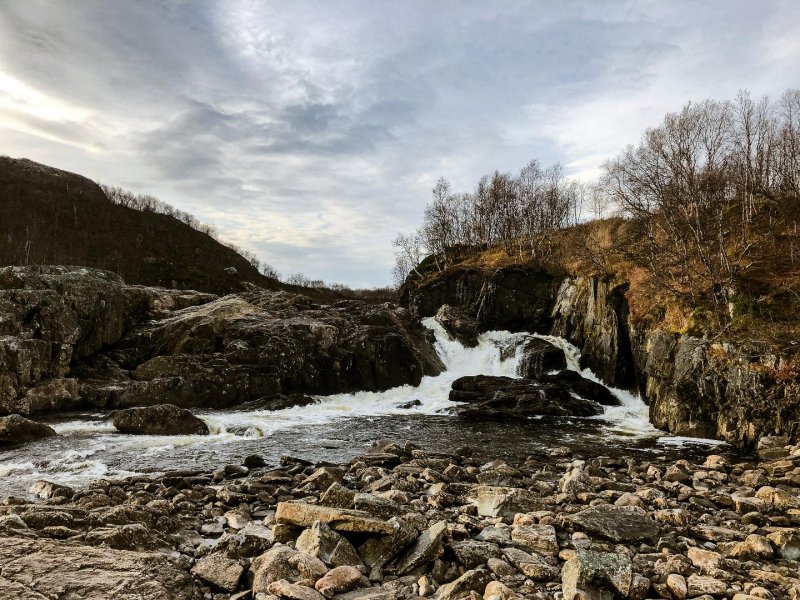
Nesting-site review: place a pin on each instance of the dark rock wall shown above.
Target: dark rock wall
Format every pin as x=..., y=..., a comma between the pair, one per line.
x=693, y=387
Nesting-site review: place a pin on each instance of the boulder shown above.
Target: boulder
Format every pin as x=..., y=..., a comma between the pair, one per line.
x=504, y=398
x=338, y=581
x=428, y=547
x=596, y=575
x=293, y=591
x=219, y=571
x=470, y=581
x=339, y=519
x=272, y=566
x=622, y=524
x=16, y=429
x=43, y=568
x=327, y=545
x=496, y=501
x=377, y=551
x=538, y=356
x=161, y=419
x=458, y=324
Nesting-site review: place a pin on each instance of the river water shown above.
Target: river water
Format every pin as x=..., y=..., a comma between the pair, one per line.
x=343, y=425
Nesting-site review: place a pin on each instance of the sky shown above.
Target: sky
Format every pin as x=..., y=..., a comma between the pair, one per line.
x=311, y=132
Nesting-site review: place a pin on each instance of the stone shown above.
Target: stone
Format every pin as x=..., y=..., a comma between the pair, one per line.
x=458, y=325
x=161, y=419
x=32, y=569
x=676, y=584
x=367, y=594
x=339, y=580
x=16, y=430
x=494, y=501
x=272, y=566
x=339, y=519
x=538, y=356
x=530, y=565
x=219, y=571
x=701, y=584
x=293, y=591
x=310, y=567
x=378, y=551
x=496, y=590
x=487, y=397
x=706, y=560
x=380, y=508
x=786, y=542
x=622, y=524
x=470, y=581
x=754, y=547
x=338, y=496
x=327, y=545
x=592, y=575
x=428, y=547
x=47, y=489
x=473, y=553
x=540, y=539
x=250, y=541
x=773, y=447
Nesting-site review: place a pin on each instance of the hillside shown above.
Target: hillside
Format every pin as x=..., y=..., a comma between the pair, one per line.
x=51, y=216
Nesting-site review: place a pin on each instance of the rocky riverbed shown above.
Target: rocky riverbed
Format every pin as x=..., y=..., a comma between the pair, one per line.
x=402, y=522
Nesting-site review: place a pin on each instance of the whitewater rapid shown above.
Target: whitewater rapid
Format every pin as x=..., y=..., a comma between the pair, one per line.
x=89, y=447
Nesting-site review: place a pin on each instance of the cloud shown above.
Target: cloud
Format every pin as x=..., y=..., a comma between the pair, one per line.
x=310, y=132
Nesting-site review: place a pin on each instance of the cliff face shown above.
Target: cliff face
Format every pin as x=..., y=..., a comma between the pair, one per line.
x=693, y=387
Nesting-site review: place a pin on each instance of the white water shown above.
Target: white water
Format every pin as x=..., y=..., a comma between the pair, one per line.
x=85, y=448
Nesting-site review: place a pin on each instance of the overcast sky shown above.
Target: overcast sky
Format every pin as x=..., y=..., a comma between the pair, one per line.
x=311, y=132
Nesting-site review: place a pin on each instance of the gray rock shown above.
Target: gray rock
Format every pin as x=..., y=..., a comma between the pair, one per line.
x=428, y=547
x=219, y=571
x=617, y=523
x=16, y=429
x=161, y=419
x=327, y=545
x=596, y=575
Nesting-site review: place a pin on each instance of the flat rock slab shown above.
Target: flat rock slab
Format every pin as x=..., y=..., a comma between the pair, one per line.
x=617, y=523
x=339, y=519
x=38, y=569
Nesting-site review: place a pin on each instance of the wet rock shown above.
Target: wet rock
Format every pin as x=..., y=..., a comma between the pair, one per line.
x=339, y=519
x=504, y=398
x=597, y=575
x=617, y=523
x=338, y=580
x=47, y=489
x=538, y=356
x=219, y=571
x=327, y=545
x=427, y=548
x=16, y=429
x=458, y=325
x=161, y=419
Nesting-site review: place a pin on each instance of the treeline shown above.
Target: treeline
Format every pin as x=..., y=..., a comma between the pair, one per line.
x=511, y=210
x=714, y=192
x=151, y=204
x=712, y=196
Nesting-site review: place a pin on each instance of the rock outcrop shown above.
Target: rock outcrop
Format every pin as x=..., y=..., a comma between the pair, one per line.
x=76, y=338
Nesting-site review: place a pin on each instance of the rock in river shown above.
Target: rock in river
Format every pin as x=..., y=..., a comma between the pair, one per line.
x=15, y=429
x=162, y=419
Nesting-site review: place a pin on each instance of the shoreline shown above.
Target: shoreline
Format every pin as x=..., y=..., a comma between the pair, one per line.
x=404, y=523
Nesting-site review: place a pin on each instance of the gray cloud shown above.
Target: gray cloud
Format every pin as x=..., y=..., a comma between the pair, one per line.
x=310, y=132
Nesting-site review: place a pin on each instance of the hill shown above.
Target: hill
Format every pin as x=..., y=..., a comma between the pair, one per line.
x=50, y=216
